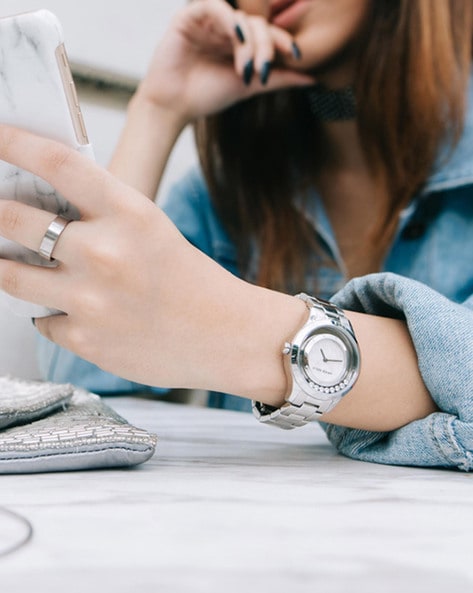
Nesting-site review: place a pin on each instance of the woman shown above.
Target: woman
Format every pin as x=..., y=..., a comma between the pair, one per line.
x=310, y=187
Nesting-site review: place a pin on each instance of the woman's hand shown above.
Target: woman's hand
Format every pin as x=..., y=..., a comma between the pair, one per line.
x=139, y=300
x=200, y=67
x=213, y=56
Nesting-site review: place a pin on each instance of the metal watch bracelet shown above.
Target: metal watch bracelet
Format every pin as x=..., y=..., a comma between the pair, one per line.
x=290, y=415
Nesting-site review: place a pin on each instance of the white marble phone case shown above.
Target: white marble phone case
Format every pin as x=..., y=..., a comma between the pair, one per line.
x=37, y=93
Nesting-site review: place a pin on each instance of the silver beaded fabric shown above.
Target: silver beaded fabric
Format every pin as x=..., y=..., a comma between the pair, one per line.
x=332, y=105
x=24, y=401
x=84, y=434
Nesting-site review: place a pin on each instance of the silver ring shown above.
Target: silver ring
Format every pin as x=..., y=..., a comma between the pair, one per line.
x=51, y=237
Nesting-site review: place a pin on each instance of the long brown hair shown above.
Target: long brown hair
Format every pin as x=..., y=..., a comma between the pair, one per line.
x=259, y=155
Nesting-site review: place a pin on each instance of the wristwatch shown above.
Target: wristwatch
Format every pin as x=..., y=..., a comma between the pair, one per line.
x=324, y=362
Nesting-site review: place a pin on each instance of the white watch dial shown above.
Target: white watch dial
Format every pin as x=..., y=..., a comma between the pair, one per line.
x=326, y=360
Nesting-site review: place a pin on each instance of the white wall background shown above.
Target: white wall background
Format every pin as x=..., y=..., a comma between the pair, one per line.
x=114, y=38
x=117, y=36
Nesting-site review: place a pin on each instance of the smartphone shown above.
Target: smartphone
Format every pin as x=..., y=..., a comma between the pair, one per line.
x=37, y=93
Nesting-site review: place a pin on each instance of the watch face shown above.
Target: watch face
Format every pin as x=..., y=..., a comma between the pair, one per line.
x=326, y=360
x=325, y=363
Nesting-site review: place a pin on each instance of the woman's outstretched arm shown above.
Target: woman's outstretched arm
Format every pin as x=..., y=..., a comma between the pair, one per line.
x=143, y=303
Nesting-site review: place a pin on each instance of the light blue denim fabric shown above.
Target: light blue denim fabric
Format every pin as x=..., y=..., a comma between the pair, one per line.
x=442, y=332
x=428, y=281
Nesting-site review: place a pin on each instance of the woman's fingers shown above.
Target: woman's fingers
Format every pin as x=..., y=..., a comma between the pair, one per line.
x=216, y=19
x=244, y=47
x=35, y=284
x=208, y=21
x=73, y=175
x=286, y=46
x=253, y=40
x=56, y=329
x=27, y=226
x=80, y=338
x=285, y=79
x=261, y=43
x=267, y=47
x=263, y=48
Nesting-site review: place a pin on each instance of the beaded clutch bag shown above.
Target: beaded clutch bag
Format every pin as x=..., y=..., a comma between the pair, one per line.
x=48, y=427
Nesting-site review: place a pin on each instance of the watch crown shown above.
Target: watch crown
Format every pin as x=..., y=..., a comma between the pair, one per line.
x=287, y=348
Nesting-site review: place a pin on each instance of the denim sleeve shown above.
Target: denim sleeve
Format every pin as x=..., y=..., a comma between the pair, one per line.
x=442, y=333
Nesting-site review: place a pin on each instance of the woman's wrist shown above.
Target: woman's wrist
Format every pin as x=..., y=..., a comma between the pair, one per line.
x=145, y=144
x=248, y=360
x=146, y=103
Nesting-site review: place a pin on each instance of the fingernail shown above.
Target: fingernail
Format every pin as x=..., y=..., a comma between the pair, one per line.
x=265, y=72
x=239, y=34
x=296, y=52
x=248, y=72
x=33, y=321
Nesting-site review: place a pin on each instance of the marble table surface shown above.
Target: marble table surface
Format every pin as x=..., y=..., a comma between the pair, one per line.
x=227, y=505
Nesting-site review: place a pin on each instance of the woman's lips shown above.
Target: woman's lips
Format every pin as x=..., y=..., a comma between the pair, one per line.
x=278, y=6
x=283, y=13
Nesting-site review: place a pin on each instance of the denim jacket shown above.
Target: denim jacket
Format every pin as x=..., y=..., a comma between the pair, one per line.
x=427, y=280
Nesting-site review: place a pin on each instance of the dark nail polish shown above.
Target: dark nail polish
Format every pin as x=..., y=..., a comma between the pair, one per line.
x=239, y=34
x=296, y=52
x=248, y=72
x=265, y=72
x=33, y=321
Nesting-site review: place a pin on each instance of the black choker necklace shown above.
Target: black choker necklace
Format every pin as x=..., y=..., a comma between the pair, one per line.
x=330, y=105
